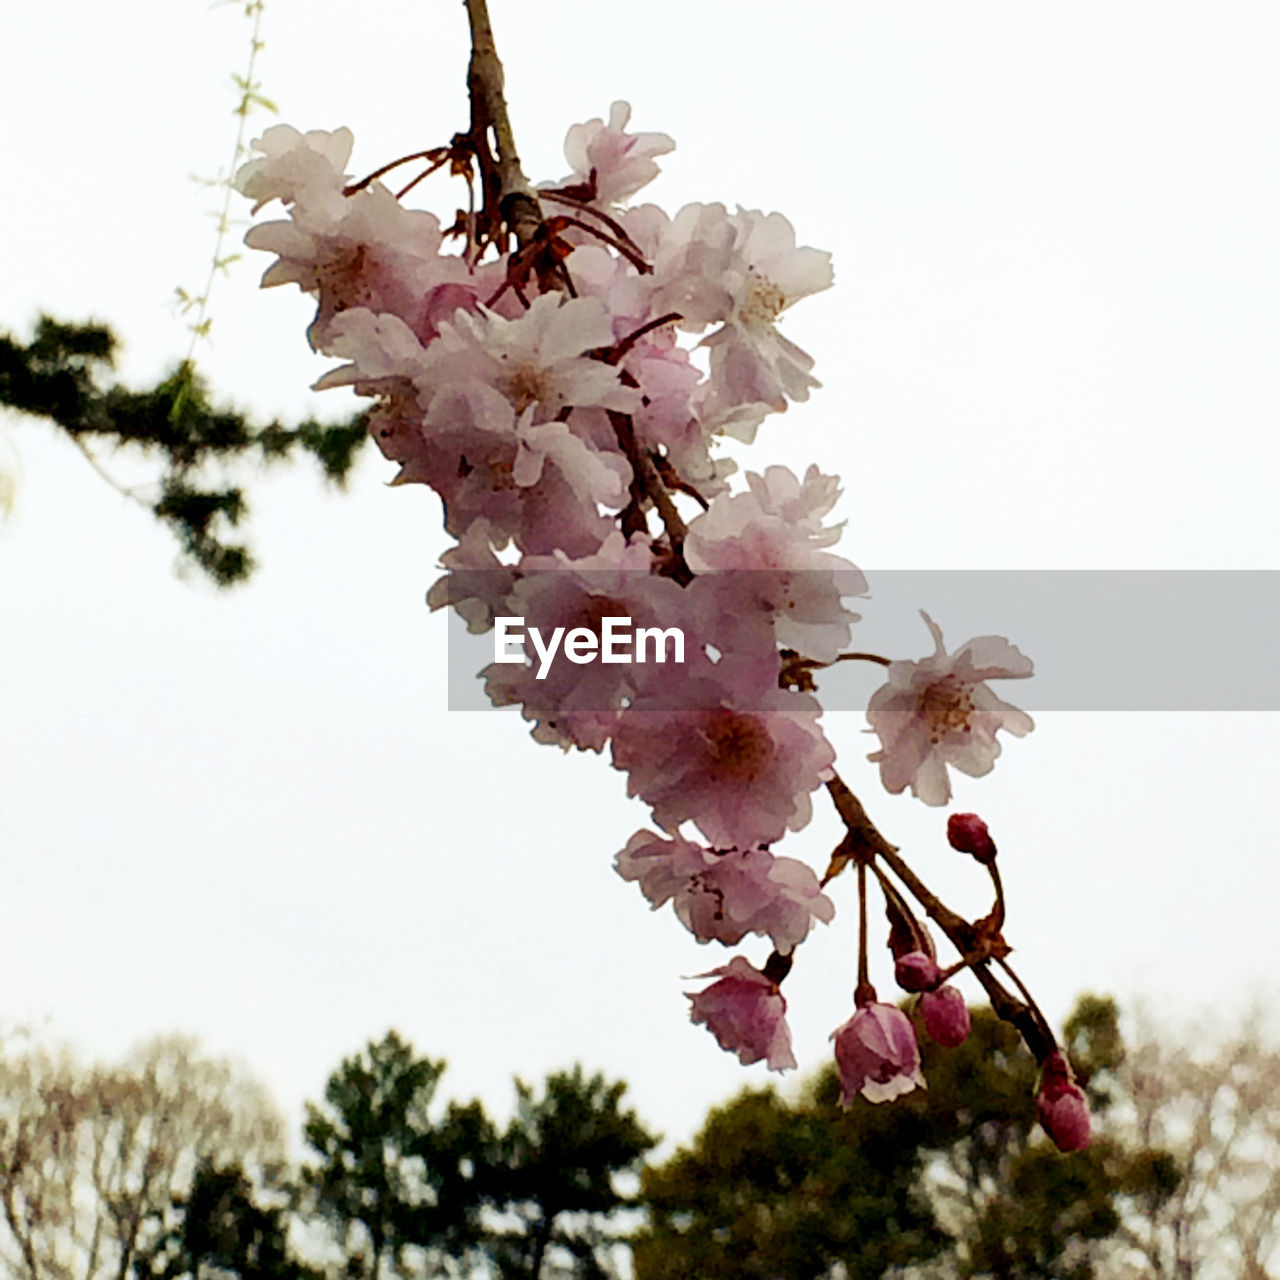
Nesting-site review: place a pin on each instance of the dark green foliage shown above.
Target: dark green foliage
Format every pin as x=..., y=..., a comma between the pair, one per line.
x=221, y=1224
x=771, y=1188
x=406, y=1193
x=388, y=1176
x=555, y=1173
x=958, y=1173
x=58, y=376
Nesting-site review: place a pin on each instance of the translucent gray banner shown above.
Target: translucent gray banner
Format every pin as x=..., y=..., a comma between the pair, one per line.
x=1122, y=640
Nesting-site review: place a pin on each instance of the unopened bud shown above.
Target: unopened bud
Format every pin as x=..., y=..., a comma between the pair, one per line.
x=968, y=833
x=916, y=971
x=1061, y=1106
x=946, y=1016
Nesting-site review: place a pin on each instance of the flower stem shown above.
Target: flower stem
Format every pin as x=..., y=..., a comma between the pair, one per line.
x=864, y=992
x=867, y=842
x=998, y=911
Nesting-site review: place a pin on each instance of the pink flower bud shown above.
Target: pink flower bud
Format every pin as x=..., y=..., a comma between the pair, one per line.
x=877, y=1054
x=968, y=833
x=1061, y=1105
x=946, y=1016
x=916, y=971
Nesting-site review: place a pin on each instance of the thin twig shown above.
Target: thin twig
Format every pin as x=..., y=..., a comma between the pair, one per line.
x=123, y=490
x=559, y=197
x=651, y=484
x=432, y=153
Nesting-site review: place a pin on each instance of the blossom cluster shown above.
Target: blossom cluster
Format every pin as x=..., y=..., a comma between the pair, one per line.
x=567, y=399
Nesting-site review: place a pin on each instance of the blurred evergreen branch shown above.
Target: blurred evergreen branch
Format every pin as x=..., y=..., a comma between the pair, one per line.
x=60, y=376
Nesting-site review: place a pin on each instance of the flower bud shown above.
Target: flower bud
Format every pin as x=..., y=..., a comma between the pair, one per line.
x=946, y=1016
x=968, y=833
x=1061, y=1105
x=916, y=971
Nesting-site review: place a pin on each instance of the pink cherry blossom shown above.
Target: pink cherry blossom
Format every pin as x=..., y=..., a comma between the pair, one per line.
x=539, y=485
x=728, y=751
x=363, y=250
x=939, y=711
x=946, y=1016
x=670, y=416
x=477, y=583
x=536, y=360
x=1061, y=1106
x=574, y=705
x=775, y=577
x=746, y=1012
x=877, y=1055
x=622, y=162
x=291, y=165
x=724, y=895
x=381, y=349
x=741, y=271
x=749, y=356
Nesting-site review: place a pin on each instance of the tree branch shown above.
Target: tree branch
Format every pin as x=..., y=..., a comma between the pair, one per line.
x=869, y=843
x=508, y=194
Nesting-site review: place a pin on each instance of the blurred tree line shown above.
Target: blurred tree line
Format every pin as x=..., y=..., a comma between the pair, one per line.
x=173, y=1166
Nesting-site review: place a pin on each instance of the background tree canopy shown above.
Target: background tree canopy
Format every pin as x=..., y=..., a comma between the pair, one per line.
x=170, y=1165
x=957, y=1176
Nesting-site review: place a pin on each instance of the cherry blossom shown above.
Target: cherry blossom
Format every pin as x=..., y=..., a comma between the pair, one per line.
x=292, y=165
x=939, y=711
x=728, y=751
x=536, y=360
x=366, y=251
x=539, y=485
x=575, y=705
x=363, y=250
x=877, y=1055
x=741, y=271
x=619, y=162
x=746, y=1013
x=768, y=274
x=723, y=895
x=477, y=584
x=776, y=582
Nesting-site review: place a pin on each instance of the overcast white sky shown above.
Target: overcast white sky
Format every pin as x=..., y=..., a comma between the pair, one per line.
x=1051, y=344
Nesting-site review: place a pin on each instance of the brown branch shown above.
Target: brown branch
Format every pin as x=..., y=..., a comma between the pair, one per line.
x=648, y=483
x=563, y=197
x=614, y=354
x=632, y=255
x=508, y=195
x=437, y=155
x=866, y=843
